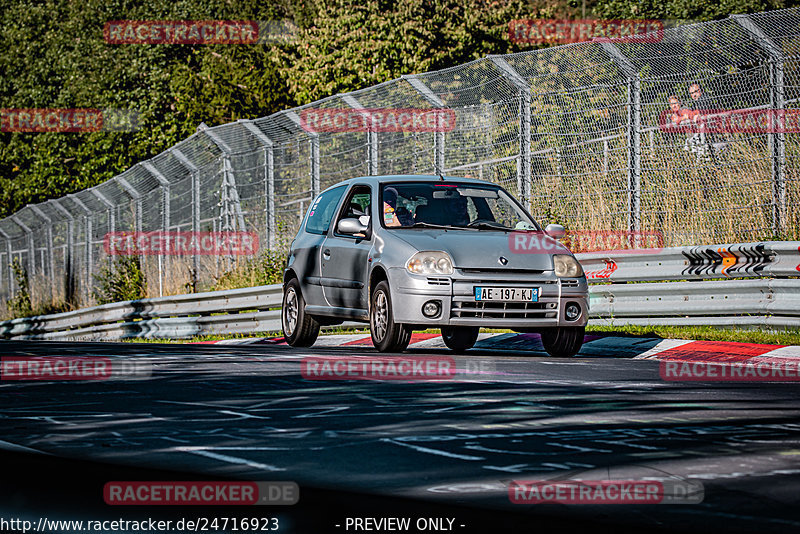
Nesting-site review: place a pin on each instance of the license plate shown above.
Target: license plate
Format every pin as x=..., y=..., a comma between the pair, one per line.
x=507, y=294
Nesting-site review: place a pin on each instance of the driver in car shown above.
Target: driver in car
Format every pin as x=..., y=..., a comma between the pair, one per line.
x=392, y=215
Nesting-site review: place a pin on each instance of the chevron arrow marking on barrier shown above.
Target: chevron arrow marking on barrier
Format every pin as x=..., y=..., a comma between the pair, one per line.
x=609, y=269
x=728, y=259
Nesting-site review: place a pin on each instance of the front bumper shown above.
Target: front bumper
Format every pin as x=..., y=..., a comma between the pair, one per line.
x=459, y=308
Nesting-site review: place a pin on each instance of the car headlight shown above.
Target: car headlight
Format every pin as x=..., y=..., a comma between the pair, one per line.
x=430, y=262
x=567, y=266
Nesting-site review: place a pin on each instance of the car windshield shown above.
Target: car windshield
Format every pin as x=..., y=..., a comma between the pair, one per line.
x=452, y=205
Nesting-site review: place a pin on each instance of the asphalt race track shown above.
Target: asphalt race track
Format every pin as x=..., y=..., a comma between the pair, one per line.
x=366, y=448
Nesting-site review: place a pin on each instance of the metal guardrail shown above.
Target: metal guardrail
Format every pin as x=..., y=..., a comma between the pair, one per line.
x=764, y=289
x=741, y=284
x=764, y=302
x=560, y=127
x=741, y=260
x=179, y=317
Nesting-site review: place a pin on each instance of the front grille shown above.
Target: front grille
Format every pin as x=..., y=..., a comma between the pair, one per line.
x=484, y=270
x=439, y=281
x=569, y=283
x=504, y=310
x=489, y=281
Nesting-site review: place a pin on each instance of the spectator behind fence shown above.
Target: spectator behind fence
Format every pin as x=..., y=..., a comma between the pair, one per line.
x=699, y=102
x=677, y=120
x=701, y=109
x=700, y=105
x=680, y=115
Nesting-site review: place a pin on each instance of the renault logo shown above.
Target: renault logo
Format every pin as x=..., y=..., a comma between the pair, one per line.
x=502, y=260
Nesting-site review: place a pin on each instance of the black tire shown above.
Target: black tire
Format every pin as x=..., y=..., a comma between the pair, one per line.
x=563, y=342
x=460, y=338
x=387, y=336
x=299, y=328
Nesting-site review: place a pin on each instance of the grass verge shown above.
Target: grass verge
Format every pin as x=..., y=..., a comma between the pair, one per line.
x=706, y=333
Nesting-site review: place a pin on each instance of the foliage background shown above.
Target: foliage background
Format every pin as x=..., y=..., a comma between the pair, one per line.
x=52, y=55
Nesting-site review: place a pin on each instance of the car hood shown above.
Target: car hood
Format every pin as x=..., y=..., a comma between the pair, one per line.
x=483, y=249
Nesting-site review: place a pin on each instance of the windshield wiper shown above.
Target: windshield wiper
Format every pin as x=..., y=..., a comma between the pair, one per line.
x=423, y=224
x=492, y=226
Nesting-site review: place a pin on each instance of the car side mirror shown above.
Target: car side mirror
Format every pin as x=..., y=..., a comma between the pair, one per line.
x=555, y=231
x=351, y=227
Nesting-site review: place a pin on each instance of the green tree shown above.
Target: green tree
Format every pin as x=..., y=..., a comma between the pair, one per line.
x=54, y=56
x=695, y=10
x=352, y=45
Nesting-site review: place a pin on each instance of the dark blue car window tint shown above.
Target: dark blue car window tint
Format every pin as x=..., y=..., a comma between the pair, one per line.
x=321, y=211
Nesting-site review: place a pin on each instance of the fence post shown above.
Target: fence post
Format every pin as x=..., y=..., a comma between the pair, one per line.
x=136, y=197
x=314, y=162
x=195, y=223
x=231, y=209
x=634, y=135
x=69, y=253
x=50, y=258
x=438, y=136
x=524, y=177
x=231, y=217
x=165, y=192
x=194, y=172
x=10, y=269
x=87, y=229
x=110, y=205
x=372, y=136
x=269, y=180
x=31, y=249
x=270, y=200
x=165, y=223
x=777, y=138
x=313, y=159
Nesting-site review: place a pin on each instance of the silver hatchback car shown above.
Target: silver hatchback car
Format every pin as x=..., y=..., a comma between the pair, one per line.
x=418, y=252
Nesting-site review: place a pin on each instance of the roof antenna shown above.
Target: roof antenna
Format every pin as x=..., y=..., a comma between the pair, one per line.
x=441, y=177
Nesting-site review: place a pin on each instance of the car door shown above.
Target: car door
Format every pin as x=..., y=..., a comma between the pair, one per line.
x=307, y=246
x=344, y=257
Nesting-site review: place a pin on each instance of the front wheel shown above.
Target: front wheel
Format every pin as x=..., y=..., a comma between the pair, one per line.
x=563, y=342
x=299, y=328
x=460, y=338
x=387, y=336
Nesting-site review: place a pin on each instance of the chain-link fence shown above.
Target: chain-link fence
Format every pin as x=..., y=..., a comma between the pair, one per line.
x=573, y=131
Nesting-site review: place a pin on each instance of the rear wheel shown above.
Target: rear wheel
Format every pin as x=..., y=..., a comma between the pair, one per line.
x=299, y=328
x=563, y=342
x=460, y=338
x=387, y=336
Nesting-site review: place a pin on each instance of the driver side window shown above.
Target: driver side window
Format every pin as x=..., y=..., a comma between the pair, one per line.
x=357, y=206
